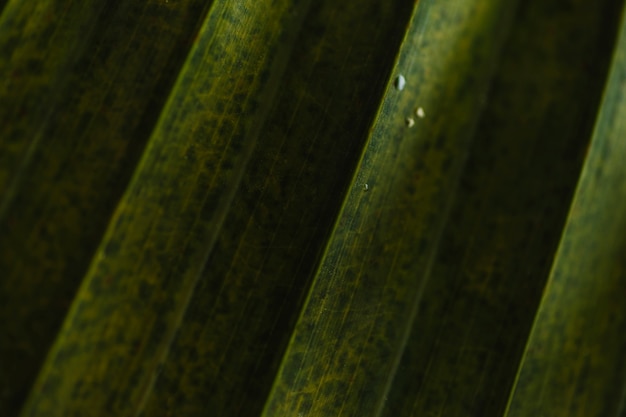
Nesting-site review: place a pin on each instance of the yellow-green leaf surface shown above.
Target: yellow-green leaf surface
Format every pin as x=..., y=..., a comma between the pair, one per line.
x=130, y=302
x=346, y=345
x=81, y=88
x=224, y=358
x=574, y=362
x=323, y=97
x=497, y=248
x=311, y=208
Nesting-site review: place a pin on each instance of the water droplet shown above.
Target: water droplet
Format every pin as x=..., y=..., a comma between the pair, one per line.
x=400, y=82
x=419, y=112
x=366, y=187
x=409, y=122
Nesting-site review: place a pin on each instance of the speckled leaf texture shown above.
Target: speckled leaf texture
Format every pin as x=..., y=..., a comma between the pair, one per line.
x=312, y=208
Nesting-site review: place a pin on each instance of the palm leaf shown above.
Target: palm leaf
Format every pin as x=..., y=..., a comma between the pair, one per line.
x=295, y=208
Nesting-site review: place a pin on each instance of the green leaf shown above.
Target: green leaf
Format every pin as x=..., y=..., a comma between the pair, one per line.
x=497, y=248
x=310, y=208
x=573, y=364
x=345, y=349
x=126, y=312
x=81, y=86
